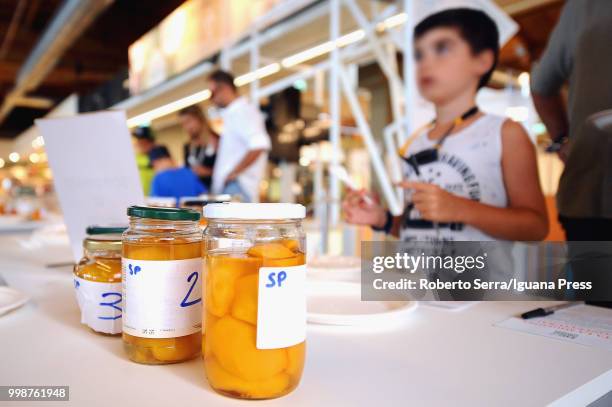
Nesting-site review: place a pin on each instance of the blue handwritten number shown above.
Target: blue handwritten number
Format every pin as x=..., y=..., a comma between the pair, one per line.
x=112, y=304
x=282, y=276
x=186, y=303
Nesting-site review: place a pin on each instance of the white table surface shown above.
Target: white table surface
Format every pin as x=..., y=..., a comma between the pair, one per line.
x=435, y=358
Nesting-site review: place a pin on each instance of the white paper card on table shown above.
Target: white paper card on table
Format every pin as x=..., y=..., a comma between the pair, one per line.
x=583, y=324
x=281, y=307
x=94, y=170
x=450, y=305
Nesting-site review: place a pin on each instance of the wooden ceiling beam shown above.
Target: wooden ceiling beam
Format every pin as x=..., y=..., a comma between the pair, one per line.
x=60, y=76
x=24, y=42
x=516, y=7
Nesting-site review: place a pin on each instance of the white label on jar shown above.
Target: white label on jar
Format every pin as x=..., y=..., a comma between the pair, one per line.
x=281, y=307
x=162, y=298
x=100, y=305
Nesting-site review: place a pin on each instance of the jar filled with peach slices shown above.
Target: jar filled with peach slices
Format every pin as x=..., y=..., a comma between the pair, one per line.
x=97, y=280
x=255, y=306
x=162, y=285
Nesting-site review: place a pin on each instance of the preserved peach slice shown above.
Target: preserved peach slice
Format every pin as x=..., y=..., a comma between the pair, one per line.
x=233, y=344
x=209, y=320
x=208, y=323
x=176, y=349
x=296, y=260
x=223, y=271
x=270, y=251
x=224, y=381
x=244, y=307
x=295, y=359
x=291, y=244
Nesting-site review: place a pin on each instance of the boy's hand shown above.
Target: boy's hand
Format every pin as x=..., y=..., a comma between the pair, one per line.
x=434, y=203
x=359, y=212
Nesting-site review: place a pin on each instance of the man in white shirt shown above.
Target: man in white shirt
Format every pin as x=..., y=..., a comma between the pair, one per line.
x=244, y=144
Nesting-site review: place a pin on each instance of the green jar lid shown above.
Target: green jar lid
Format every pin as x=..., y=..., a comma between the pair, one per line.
x=105, y=230
x=163, y=213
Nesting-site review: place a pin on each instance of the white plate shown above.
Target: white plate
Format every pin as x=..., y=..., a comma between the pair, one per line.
x=336, y=268
x=14, y=223
x=339, y=303
x=11, y=299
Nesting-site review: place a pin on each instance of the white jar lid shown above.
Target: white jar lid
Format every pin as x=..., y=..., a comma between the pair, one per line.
x=254, y=211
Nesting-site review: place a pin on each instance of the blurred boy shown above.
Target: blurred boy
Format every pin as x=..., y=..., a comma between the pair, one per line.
x=472, y=176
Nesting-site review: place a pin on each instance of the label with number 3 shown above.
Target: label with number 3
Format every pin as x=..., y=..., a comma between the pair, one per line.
x=162, y=299
x=100, y=305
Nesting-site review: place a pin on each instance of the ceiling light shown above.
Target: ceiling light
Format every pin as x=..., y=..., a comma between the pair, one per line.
x=14, y=157
x=168, y=108
x=307, y=54
x=38, y=142
x=350, y=38
x=391, y=22
x=257, y=74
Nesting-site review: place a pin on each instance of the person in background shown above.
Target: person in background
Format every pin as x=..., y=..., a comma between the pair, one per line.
x=244, y=142
x=579, y=52
x=472, y=176
x=170, y=180
x=144, y=144
x=201, y=150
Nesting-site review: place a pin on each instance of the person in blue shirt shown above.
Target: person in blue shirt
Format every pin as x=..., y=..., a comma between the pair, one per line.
x=171, y=180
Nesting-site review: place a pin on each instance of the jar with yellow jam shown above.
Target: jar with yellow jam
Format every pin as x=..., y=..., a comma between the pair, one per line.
x=162, y=285
x=255, y=306
x=97, y=280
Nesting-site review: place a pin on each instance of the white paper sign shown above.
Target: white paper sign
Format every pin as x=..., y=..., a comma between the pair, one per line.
x=281, y=307
x=94, y=170
x=582, y=324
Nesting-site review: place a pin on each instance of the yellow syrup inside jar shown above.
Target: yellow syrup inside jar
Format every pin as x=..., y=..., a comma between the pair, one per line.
x=162, y=350
x=100, y=269
x=234, y=366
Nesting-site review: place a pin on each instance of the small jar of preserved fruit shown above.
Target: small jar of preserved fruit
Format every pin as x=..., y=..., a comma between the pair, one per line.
x=97, y=280
x=255, y=305
x=161, y=277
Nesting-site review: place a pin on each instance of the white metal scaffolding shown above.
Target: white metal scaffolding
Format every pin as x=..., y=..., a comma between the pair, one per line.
x=375, y=43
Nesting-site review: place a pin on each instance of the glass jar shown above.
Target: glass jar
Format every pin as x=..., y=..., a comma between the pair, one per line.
x=27, y=204
x=198, y=203
x=162, y=286
x=97, y=280
x=255, y=311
